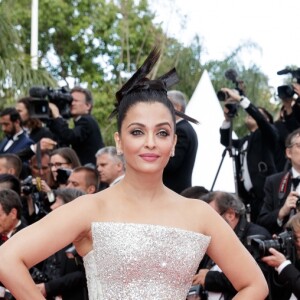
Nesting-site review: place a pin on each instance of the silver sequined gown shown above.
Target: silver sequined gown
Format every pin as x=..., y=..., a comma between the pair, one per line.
x=142, y=261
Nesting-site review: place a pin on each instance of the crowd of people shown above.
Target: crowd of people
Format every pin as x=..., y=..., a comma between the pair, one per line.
x=81, y=220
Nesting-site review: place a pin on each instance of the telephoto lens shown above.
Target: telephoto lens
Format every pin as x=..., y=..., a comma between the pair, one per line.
x=222, y=96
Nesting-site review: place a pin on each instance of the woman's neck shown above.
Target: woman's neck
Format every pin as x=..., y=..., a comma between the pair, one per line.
x=146, y=186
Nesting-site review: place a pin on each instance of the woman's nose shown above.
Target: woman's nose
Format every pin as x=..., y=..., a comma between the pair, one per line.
x=150, y=141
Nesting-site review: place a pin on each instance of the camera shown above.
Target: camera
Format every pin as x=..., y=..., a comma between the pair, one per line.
x=284, y=243
x=287, y=91
x=39, y=198
x=41, y=96
x=63, y=175
x=197, y=292
x=223, y=96
x=38, y=276
x=27, y=187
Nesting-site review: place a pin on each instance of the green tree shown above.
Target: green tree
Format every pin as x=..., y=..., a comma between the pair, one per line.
x=16, y=75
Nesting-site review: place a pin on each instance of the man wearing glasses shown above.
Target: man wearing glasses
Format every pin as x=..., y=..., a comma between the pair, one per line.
x=282, y=190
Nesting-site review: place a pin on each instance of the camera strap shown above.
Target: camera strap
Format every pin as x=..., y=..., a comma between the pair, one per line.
x=39, y=156
x=284, y=185
x=241, y=230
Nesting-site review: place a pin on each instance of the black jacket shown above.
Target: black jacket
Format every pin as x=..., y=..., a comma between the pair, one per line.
x=216, y=281
x=70, y=281
x=85, y=138
x=260, y=156
x=178, y=172
x=276, y=191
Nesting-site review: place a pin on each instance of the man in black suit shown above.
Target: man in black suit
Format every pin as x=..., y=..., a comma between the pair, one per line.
x=282, y=189
x=178, y=172
x=85, y=138
x=16, y=139
x=288, y=278
x=11, y=220
x=254, y=160
x=232, y=209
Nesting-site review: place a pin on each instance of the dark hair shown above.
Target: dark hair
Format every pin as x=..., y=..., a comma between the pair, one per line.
x=68, y=154
x=9, y=199
x=13, y=161
x=224, y=201
x=91, y=175
x=12, y=112
x=195, y=192
x=10, y=182
x=139, y=88
x=149, y=96
x=31, y=123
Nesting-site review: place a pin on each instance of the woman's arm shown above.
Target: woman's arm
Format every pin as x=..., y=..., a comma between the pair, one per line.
x=233, y=258
x=40, y=240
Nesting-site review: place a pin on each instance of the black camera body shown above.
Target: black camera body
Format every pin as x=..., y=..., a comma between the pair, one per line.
x=223, y=96
x=28, y=187
x=38, y=276
x=284, y=243
x=287, y=91
x=197, y=291
x=63, y=175
x=41, y=96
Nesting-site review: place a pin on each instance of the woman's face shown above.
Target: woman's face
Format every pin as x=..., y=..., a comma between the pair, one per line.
x=22, y=110
x=147, y=137
x=56, y=162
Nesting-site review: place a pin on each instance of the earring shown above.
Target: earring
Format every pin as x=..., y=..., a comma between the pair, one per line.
x=172, y=154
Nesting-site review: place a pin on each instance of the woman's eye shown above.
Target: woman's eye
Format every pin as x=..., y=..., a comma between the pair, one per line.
x=136, y=132
x=163, y=133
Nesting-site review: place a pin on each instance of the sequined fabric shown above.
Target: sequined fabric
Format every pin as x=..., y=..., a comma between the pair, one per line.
x=93, y=284
x=144, y=262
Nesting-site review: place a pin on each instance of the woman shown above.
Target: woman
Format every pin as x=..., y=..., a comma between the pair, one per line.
x=145, y=239
x=65, y=159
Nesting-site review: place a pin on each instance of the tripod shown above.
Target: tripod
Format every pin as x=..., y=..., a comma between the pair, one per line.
x=228, y=149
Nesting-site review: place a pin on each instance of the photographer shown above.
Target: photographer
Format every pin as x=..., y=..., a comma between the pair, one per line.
x=34, y=127
x=286, y=123
x=288, y=272
x=255, y=152
x=282, y=189
x=85, y=138
x=232, y=209
x=37, y=190
x=65, y=275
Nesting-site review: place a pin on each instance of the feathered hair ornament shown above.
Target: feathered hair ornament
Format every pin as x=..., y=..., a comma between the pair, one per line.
x=139, y=82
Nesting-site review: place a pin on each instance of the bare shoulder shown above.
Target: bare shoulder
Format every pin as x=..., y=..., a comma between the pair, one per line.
x=199, y=213
x=90, y=204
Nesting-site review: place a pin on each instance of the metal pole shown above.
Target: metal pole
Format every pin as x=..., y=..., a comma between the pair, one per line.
x=34, y=34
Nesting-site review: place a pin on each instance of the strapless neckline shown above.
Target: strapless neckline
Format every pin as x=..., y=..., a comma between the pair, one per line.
x=117, y=223
x=132, y=261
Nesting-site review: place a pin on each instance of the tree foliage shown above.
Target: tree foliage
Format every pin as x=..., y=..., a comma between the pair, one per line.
x=100, y=43
x=16, y=74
